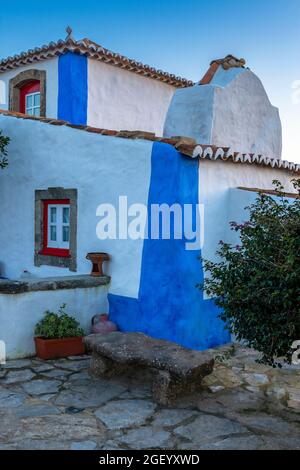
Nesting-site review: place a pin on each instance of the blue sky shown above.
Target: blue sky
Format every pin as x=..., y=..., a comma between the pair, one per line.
x=178, y=36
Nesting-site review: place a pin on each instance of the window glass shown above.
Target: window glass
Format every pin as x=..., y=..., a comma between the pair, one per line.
x=28, y=101
x=66, y=233
x=36, y=99
x=32, y=104
x=53, y=215
x=58, y=230
x=53, y=233
x=66, y=215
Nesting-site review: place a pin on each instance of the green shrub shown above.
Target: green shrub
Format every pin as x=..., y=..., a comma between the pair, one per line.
x=58, y=325
x=257, y=283
x=4, y=141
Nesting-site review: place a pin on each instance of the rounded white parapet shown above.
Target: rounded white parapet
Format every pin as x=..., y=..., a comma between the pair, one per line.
x=231, y=110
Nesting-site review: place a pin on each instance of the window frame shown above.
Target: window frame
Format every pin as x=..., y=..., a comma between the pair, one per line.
x=48, y=250
x=19, y=81
x=53, y=258
x=30, y=88
x=33, y=107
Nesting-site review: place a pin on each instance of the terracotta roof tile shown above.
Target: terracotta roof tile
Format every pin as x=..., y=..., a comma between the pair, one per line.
x=184, y=145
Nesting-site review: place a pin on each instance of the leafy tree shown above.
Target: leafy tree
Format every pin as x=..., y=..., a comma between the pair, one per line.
x=257, y=283
x=4, y=141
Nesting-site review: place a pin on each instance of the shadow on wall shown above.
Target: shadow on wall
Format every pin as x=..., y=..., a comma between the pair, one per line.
x=2, y=271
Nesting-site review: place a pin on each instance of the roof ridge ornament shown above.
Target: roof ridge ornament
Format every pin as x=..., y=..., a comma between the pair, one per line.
x=70, y=36
x=227, y=63
x=230, y=61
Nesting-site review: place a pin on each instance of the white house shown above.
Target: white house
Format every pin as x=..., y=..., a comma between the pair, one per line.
x=60, y=173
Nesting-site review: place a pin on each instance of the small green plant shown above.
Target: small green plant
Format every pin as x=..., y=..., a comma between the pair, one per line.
x=58, y=325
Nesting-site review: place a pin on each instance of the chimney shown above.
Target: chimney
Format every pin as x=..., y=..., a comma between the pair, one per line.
x=227, y=63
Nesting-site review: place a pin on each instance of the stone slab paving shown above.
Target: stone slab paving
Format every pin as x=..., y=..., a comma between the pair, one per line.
x=122, y=414
x=58, y=405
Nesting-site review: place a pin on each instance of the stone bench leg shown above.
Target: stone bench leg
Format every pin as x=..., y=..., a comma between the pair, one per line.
x=103, y=367
x=165, y=388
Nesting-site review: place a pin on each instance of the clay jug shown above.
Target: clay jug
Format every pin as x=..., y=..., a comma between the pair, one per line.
x=101, y=324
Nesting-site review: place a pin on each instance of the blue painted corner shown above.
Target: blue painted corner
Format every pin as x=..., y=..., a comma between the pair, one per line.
x=169, y=305
x=73, y=88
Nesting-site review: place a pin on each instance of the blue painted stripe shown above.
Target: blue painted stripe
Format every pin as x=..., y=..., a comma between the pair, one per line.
x=169, y=305
x=73, y=88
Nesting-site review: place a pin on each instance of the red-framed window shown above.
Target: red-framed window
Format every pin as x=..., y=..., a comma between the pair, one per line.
x=30, y=98
x=56, y=227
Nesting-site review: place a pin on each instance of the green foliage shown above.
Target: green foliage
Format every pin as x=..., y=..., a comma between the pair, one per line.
x=227, y=355
x=257, y=283
x=4, y=141
x=60, y=325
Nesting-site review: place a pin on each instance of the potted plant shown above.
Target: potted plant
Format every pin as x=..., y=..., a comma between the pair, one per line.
x=58, y=335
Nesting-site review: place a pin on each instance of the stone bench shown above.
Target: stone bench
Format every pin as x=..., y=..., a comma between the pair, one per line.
x=177, y=369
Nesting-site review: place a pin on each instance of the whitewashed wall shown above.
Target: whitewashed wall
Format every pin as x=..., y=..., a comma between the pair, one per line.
x=232, y=111
x=101, y=168
x=118, y=99
x=191, y=114
x=51, y=68
x=19, y=314
x=224, y=203
x=244, y=117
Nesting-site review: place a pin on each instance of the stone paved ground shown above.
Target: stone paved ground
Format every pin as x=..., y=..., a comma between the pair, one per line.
x=57, y=405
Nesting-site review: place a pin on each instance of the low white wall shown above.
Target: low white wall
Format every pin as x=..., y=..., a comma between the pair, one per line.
x=51, y=68
x=19, y=314
x=118, y=99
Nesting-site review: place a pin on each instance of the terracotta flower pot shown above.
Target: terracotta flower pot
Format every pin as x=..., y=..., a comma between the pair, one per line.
x=97, y=260
x=61, y=347
x=101, y=324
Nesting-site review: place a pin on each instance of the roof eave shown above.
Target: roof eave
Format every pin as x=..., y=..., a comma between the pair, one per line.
x=185, y=145
x=91, y=50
